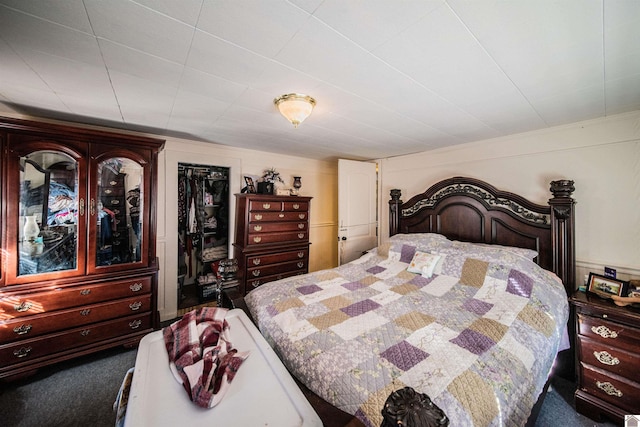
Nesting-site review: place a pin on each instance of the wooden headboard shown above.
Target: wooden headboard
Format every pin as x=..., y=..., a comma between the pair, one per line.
x=471, y=210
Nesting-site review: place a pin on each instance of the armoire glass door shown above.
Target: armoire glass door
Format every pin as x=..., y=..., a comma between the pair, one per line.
x=49, y=206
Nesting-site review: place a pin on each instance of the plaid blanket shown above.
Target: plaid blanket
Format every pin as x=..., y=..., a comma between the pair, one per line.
x=201, y=355
x=478, y=334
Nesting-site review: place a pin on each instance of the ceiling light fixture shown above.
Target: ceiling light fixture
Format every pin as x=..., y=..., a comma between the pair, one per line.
x=295, y=107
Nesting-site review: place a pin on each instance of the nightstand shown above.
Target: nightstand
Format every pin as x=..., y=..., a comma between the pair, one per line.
x=607, y=357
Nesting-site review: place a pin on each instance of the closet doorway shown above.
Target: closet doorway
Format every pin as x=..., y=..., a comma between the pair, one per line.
x=203, y=231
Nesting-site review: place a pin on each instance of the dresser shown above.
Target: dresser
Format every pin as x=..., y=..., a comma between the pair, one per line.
x=86, y=278
x=271, y=239
x=608, y=358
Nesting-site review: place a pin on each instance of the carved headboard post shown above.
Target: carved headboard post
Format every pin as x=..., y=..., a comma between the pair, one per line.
x=562, y=223
x=394, y=211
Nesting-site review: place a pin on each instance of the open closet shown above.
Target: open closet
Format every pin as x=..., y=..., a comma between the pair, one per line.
x=203, y=230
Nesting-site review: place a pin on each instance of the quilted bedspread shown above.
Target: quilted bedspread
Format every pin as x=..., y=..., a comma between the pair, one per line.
x=478, y=335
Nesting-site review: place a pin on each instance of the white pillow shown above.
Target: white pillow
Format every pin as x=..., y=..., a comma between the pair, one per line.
x=423, y=263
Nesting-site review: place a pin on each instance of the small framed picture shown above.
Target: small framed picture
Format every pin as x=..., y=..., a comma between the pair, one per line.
x=251, y=188
x=606, y=287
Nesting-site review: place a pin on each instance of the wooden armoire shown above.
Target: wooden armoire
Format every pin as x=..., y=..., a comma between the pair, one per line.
x=84, y=278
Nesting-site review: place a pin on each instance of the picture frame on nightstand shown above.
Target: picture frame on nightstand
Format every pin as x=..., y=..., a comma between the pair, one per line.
x=606, y=287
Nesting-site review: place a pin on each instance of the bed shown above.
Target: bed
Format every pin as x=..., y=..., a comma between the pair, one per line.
x=466, y=302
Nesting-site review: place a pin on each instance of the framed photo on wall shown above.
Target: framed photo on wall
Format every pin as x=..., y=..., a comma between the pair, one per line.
x=606, y=287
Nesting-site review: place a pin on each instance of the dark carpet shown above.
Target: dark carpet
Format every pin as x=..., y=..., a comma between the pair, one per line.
x=81, y=392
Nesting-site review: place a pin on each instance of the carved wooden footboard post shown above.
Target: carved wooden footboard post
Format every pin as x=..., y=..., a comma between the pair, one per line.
x=562, y=223
x=394, y=211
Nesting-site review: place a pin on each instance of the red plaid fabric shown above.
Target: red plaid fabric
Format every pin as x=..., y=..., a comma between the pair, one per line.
x=201, y=355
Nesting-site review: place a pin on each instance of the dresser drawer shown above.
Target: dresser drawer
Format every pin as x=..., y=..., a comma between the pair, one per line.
x=261, y=260
x=609, y=333
x=296, y=206
x=36, y=348
x=266, y=238
x=270, y=227
x=265, y=205
x=38, y=302
x=617, y=391
x=277, y=216
x=269, y=270
x=610, y=359
x=254, y=283
x=40, y=324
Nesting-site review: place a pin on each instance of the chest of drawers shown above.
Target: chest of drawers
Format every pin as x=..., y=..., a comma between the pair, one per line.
x=67, y=320
x=272, y=238
x=608, y=358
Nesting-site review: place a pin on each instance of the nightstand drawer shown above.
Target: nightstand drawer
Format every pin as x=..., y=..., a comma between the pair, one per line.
x=609, y=333
x=610, y=359
x=610, y=388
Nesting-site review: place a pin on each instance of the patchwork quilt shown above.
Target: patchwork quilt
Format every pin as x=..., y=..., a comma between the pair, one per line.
x=477, y=330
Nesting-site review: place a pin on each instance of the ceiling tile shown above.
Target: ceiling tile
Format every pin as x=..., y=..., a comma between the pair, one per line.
x=23, y=31
x=141, y=28
x=140, y=64
x=370, y=23
x=217, y=57
x=70, y=13
x=264, y=28
x=186, y=11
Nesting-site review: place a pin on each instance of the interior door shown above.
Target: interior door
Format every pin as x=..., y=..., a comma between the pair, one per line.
x=357, y=209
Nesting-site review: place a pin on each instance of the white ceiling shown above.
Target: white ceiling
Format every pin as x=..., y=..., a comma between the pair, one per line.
x=390, y=77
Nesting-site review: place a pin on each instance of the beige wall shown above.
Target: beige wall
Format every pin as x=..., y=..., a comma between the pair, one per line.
x=319, y=180
x=602, y=156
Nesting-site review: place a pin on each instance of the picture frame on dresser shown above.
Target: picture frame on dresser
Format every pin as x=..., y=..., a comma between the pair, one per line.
x=606, y=287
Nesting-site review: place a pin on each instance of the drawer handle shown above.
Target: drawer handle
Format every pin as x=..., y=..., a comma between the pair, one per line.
x=135, y=306
x=85, y=312
x=92, y=206
x=135, y=287
x=257, y=217
x=301, y=226
x=23, y=352
x=605, y=358
x=300, y=235
x=256, y=261
x=604, y=332
x=255, y=283
x=113, y=183
x=22, y=329
x=300, y=254
x=24, y=306
x=300, y=264
x=135, y=324
x=255, y=273
x=81, y=206
x=108, y=191
x=296, y=206
x=115, y=202
x=281, y=215
x=266, y=205
x=302, y=216
x=85, y=332
x=608, y=388
x=257, y=227
x=257, y=239
x=85, y=292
